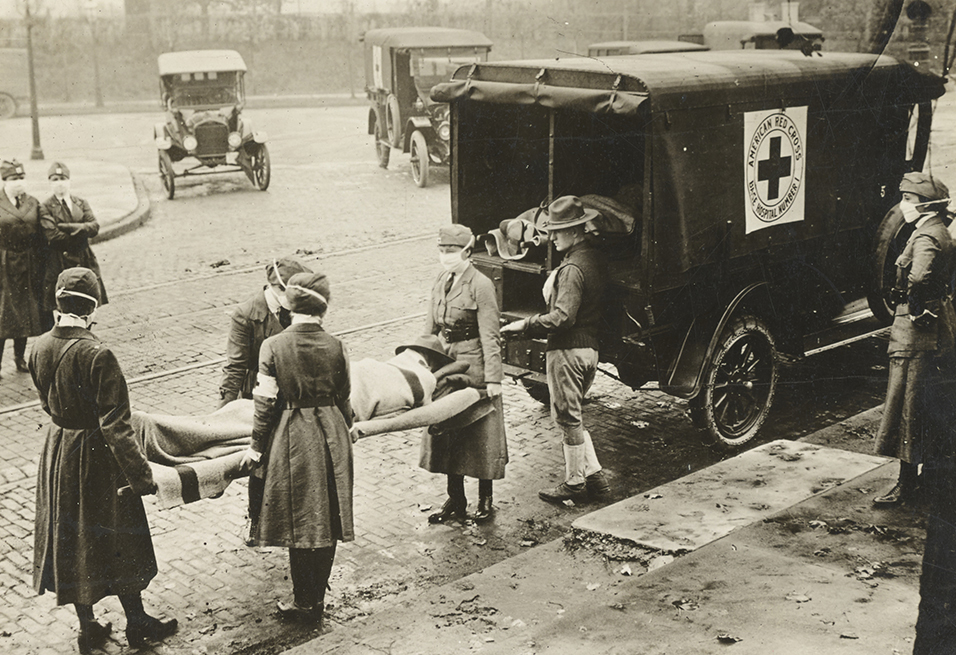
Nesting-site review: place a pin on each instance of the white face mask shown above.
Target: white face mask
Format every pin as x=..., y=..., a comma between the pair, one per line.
x=283, y=300
x=453, y=262
x=61, y=188
x=14, y=188
x=911, y=212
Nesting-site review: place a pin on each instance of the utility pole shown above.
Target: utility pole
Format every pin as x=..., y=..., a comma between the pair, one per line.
x=91, y=11
x=36, y=152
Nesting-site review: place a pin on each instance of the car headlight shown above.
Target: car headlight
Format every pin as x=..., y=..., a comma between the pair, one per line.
x=234, y=139
x=190, y=143
x=444, y=131
x=419, y=105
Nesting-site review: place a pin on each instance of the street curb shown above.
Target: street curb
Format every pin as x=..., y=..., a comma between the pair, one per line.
x=131, y=221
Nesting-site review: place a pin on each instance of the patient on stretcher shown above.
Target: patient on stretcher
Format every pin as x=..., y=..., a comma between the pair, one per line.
x=196, y=457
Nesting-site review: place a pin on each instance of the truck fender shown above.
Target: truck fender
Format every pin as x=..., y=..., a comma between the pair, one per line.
x=372, y=113
x=699, y=342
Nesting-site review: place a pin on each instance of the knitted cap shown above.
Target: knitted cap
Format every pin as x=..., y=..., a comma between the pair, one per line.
x=308, y=293
x=10, y=169
x=923, y=184
x=78, y=282
x=455, y=235
x=280, y=271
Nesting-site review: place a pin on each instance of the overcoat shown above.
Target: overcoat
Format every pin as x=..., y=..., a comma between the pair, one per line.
x=919, y=355
x=67, y=233
x=252, y=323
x=20, y=268
x=307, y=501
x=479, y=450
x=89, y=541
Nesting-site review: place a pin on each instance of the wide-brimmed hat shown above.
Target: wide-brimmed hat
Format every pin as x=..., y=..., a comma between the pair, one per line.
x=280, y=271
x=10, y=169
x=925, y=185
x=565, y=212
x=308, y=293
x=58, y=168
x=428, y=344
x=78, y=282
x=455, y=235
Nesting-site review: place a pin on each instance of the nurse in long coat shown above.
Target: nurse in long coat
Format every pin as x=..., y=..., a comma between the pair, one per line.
x=921, y=338
x=90, y=542
x=301, y=436
x=20, y=263
x=464, y=313
x=67, y=224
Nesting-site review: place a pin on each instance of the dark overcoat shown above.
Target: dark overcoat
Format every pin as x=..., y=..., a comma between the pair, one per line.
x=479, y=450
x=307, y=501
x=20, y=268
x=919, y=354
x=89, y=541
x=252, y=323
x=67, y=233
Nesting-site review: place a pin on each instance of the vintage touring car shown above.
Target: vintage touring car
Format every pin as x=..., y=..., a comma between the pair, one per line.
x=743, y=199
x=203, y=94
x=401, y=66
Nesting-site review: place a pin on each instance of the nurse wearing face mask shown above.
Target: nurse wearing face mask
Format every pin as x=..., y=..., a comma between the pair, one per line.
x=67, y=224
x=921, y=338
x=262, y=315
x=464, y=313
x=20, y=264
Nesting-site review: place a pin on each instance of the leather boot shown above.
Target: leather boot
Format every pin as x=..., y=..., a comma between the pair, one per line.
x=293, y=612
x=452, y=510
x=904, y=490
x=573, y=488
x=92, y=636
x=485, y=509
x=148, y=630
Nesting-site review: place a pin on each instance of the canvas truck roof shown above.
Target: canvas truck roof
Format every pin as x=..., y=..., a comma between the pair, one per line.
x=426, y=37
x=672, y=81
x=200, y=61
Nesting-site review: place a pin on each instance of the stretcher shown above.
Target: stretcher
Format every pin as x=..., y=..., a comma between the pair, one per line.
x=196, y=457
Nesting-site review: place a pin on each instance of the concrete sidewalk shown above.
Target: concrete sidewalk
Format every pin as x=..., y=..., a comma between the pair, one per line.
x=778, y=550
x=118, y=200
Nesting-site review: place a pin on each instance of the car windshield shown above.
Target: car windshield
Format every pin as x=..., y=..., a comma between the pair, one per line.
x=202, y=89
x=429, y=70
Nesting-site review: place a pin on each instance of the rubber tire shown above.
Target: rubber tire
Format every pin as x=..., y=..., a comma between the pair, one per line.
x=723, y=389
x=420, y=160
x=538, y=391
x=8, y=106
x=891, y=237
x=382, y=149
x=919, y=132
x=166, y=174
x=262, y=167
x=393, y=121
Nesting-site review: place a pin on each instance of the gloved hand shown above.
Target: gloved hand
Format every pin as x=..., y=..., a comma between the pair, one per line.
x=924, y=320
x=250, y=460
x=493, y=389
x=515, y=327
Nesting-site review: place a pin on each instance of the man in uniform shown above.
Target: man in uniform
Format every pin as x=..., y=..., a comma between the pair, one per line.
x=264, y=314
x=574, y=293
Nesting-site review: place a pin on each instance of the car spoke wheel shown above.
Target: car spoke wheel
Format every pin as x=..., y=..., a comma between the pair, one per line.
x=889, y=242
x=8, y=106
x=420, y=161
x=262, y=168
x=382, y=149
x=739, y=384
x=166, y=174
x=537, y=390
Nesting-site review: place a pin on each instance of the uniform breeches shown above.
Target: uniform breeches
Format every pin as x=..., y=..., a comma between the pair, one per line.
x=570, y=374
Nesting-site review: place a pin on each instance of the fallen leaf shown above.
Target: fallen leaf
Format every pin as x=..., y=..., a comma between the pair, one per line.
x=424, y=508
x=653, y=496
x=527, y=542
x=640, y=425
x=799, y=598
x=612, y=405
x=568, y=503
x=617, y=606
x=726, y=638
x=848, y=635
x=593, y=586
x=479, y=542
x=626, y=570
x=815, y=524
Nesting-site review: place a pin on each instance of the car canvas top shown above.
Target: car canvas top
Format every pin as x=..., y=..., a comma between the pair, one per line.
x=200, y=61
